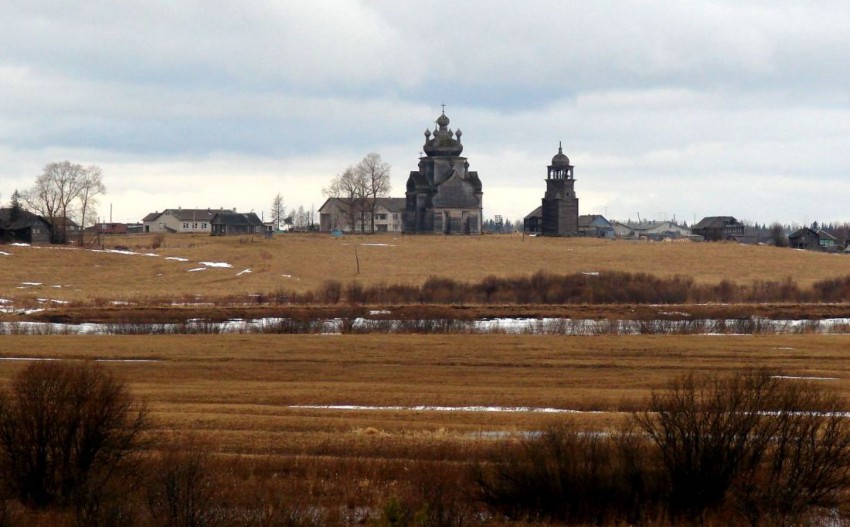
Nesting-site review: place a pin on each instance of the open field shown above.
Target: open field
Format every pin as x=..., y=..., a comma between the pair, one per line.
x=240, y=391
x=304, y=262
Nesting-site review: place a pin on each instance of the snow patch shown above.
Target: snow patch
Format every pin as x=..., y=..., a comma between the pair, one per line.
x=802, y=378
x=177, y=258
x=19, y=244
x=246, y=271
x=216, y=264
x=3, y=253
x=424, y=408
x=377, y=245
x=197, y=269
x=591, y=273
x=31, y=284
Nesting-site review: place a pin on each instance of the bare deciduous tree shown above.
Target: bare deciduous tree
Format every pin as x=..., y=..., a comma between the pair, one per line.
x=91, y=186
x=278, y=211
x=778, y=236
x=375, y=174
x=350, y=188
x=57, y=188
x=65, y=430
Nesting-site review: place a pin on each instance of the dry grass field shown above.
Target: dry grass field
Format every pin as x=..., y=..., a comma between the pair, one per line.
x=261, y=402
x=304, y=262
x=241, y=391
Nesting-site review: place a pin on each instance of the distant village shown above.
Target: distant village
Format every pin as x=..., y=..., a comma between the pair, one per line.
x=442, y=197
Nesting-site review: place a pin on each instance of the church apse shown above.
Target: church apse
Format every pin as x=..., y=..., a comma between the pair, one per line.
x=443, y=196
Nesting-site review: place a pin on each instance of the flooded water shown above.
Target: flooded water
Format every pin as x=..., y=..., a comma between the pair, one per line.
x=512, y=326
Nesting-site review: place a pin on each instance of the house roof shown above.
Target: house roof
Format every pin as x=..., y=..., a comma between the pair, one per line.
x=186, y=214
x=823, y=235
x=805, y=231
x=236, y=218
x=391, y=204
x=25, y=219
x=593, y=220
x=716, y=222
x=536, y=213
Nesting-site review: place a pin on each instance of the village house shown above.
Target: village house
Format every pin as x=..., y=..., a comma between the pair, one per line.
x=533, y=222
x=813, y=240
x=595, y=226
x=181, y=220
x=19, y=225
x=718, y=228
x=228, y=222
x=337, y=215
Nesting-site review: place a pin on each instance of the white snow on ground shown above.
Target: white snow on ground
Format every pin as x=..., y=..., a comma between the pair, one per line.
x=215, y=264
x=177, y=258
x=32, y=284
x=514, y=409
x=591, y=273
x=377, y=245
x=4, y=301
x=197, y=269
x=46, y=300
x=379, y=312
x=286, y=275
x=27, y=358
x=19, y=244
x=96, y=360
x=240, y=273
x=794, y=377
x=3, y=253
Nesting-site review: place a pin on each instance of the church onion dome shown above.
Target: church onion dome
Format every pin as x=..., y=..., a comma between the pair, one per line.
x=444, y=143
x=560, y=159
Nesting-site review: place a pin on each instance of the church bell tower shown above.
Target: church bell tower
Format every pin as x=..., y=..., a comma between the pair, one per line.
x=560, y=204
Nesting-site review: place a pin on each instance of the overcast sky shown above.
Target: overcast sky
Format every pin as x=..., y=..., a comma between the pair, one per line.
x=685, y=109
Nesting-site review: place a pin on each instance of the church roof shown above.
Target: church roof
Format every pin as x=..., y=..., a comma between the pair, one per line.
x=560, y=159
x=444, y=142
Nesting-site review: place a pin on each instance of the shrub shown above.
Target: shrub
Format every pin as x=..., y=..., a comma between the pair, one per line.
x=569, y=476
x=65, y=430
x=765, y=446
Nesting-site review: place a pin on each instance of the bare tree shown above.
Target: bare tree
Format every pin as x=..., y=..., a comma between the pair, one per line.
x=350, y=189
x=375, y=174
x=65, y=430
x=91, y=186
x=278, y=211
x=56, y=189
x=778, y=236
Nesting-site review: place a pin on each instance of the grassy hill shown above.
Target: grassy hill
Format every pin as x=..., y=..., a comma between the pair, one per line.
x=304, y=262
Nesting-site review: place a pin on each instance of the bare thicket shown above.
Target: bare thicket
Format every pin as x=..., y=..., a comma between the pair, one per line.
x=66, y=430
x=769, y=447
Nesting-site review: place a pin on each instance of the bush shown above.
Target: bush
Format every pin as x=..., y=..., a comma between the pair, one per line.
x=65, y=431
x=571, y=477
x=765, y=446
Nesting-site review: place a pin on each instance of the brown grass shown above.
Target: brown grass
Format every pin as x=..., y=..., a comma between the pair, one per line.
x=304, y=262
x=239, y=389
